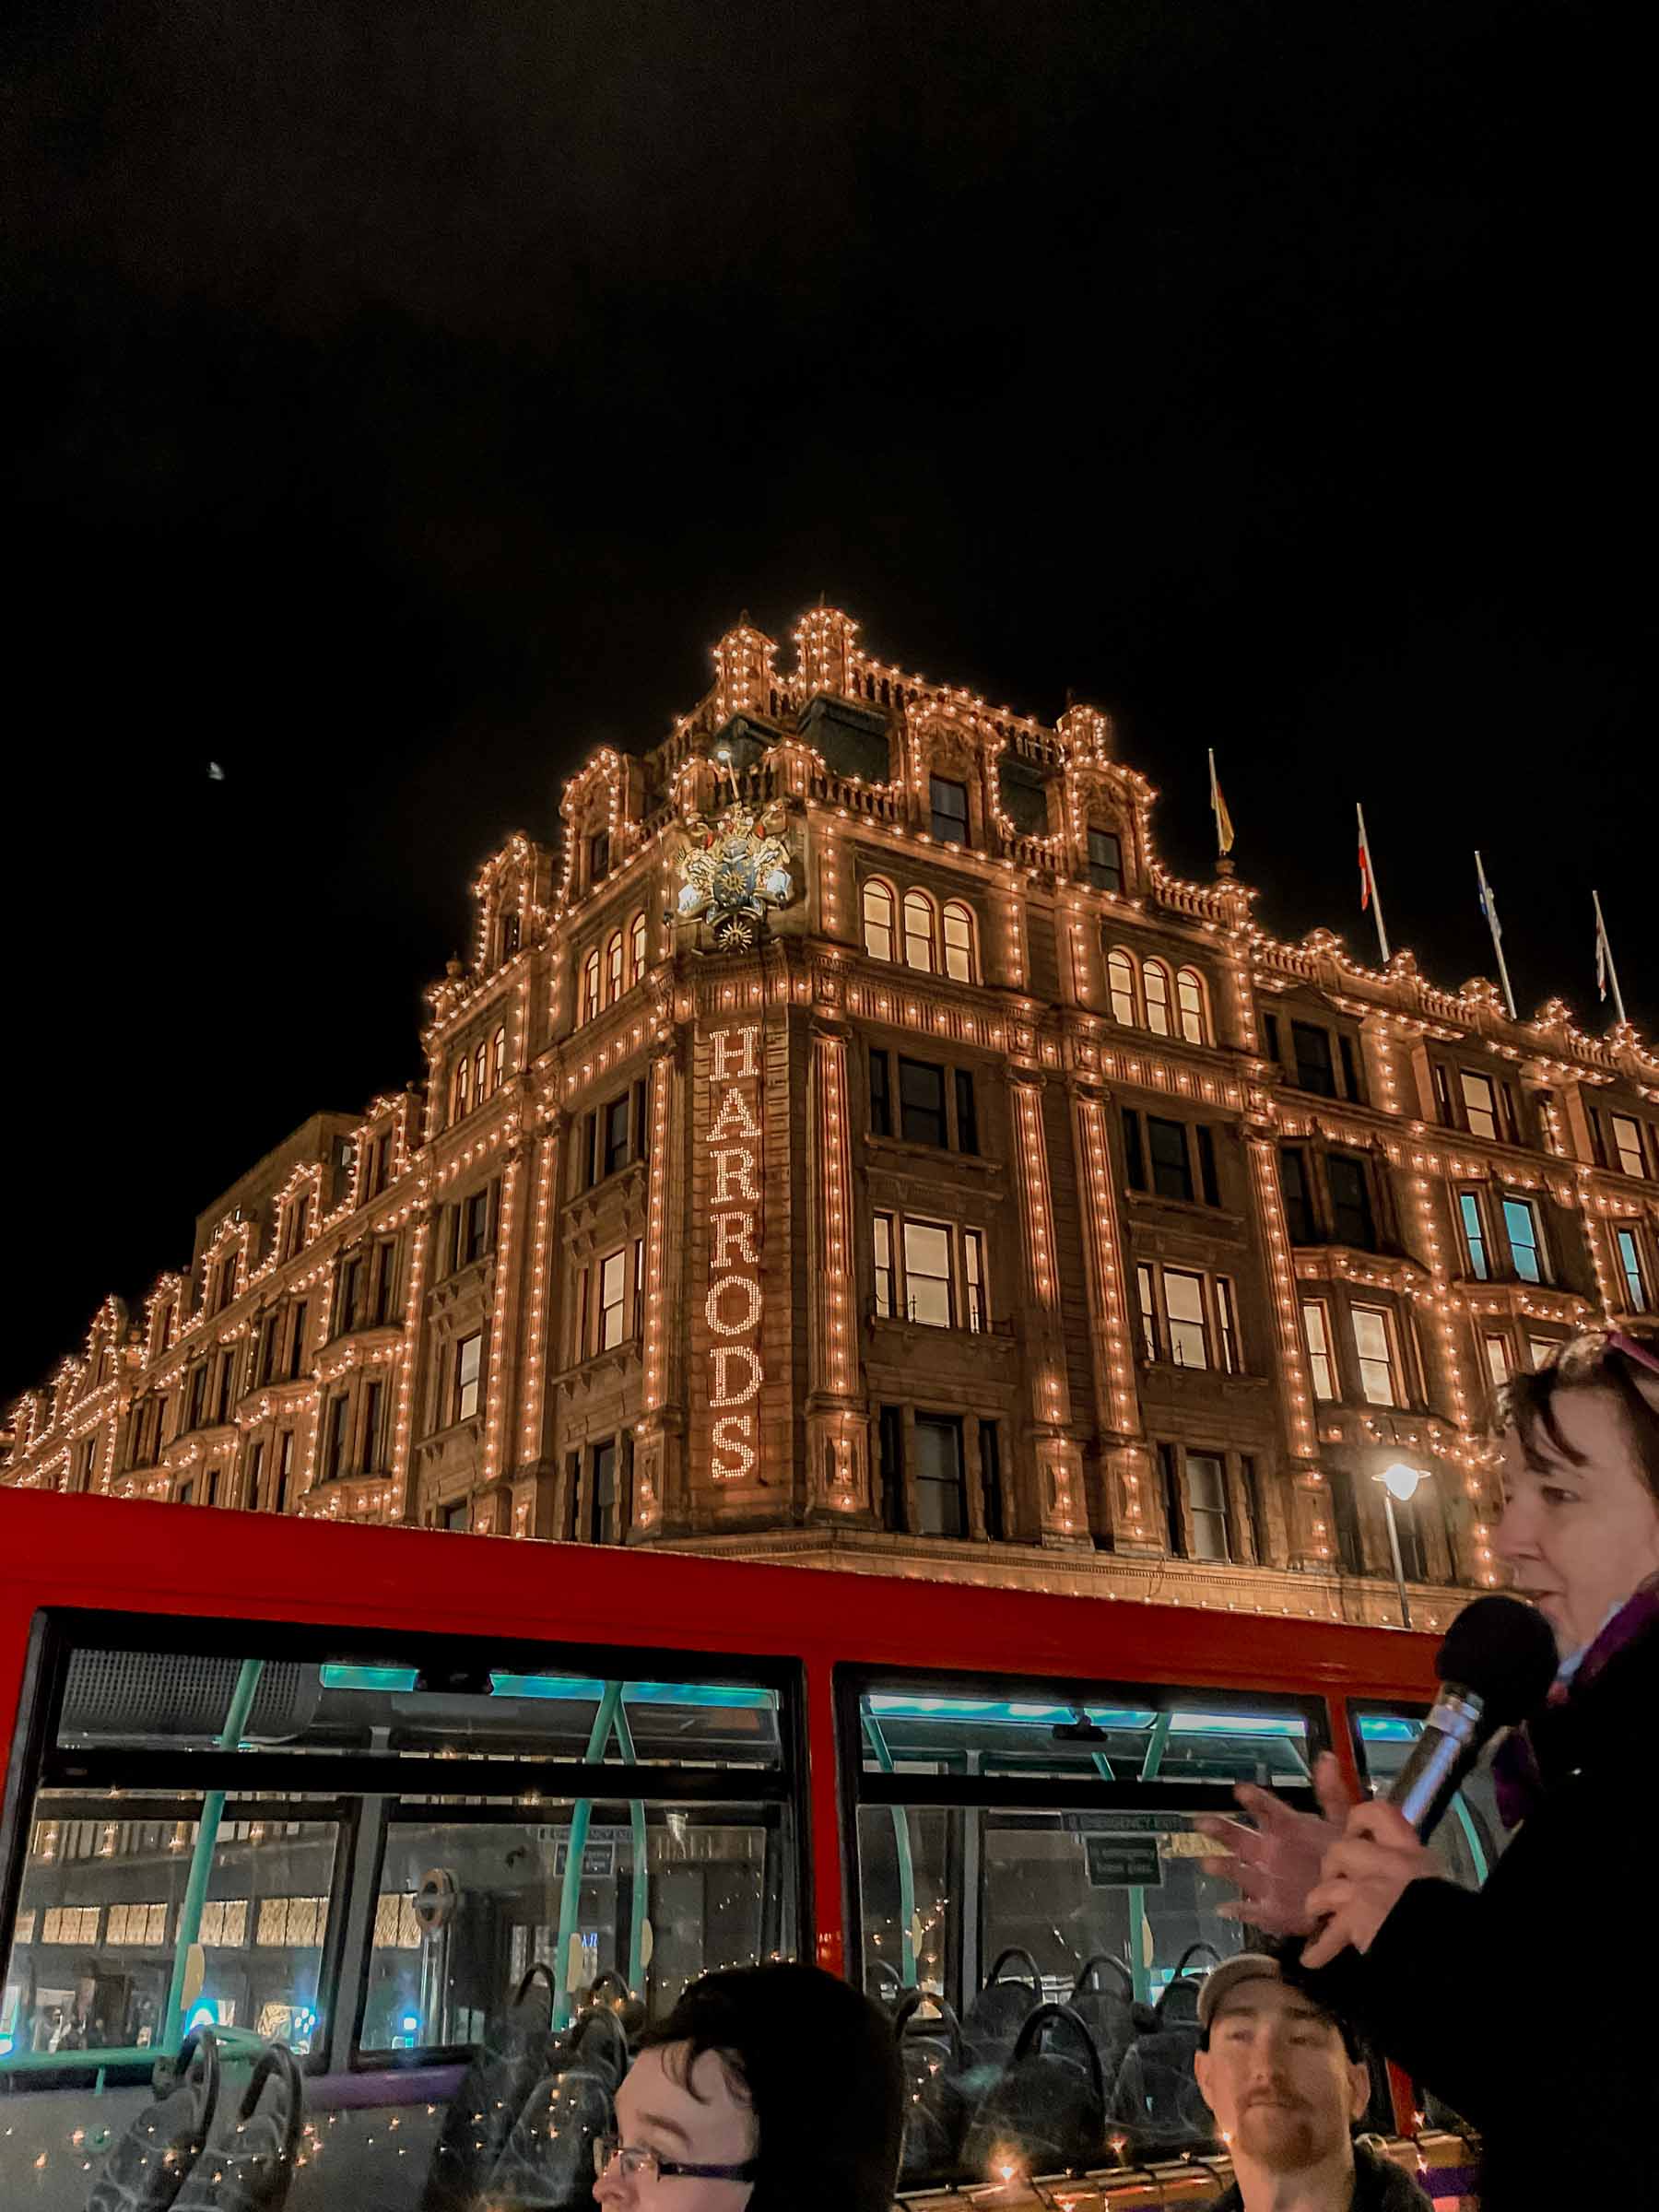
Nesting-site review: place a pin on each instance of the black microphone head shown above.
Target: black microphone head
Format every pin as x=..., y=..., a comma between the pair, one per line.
x=1503, y=1650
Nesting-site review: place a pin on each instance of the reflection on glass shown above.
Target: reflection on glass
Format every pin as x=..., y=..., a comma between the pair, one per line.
x=1471, y=1836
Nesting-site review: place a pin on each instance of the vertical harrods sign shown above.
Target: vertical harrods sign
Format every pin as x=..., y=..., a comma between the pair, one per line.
x=733, y=1303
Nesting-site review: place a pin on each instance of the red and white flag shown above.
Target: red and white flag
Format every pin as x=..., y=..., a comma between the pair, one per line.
x=1370, y=896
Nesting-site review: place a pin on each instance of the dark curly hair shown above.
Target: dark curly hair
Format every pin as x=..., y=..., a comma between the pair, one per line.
x=1596, y=1360
x=818, y=2062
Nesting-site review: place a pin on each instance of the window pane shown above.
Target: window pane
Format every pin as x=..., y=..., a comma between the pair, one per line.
x=1105, y=861
x=918, y=931
x=1480, y=1104
x=1630, y=1263
x=1120, y=977
x=1207, y=1504
x=1498, y=1357
x=1372, y=1343
x=941, y=1507
x=1148, y=1311
x=958, y=942
x=613, y=1285
x=1472, y=1836
x=468, y=1356
x=1190, y=997
x=1317, y=1325
x=1474, y=1230
x=1183, y=1301
x=1298, y=1214
x=1171, y=1168
x=922, y=1102
x=927, y=1273
x=1350, y=1202
x=1155, y=981
x=1311, y=1046
x=973, y=1270
x=883, y=1244
x=949, y=802
x=879, y=921
x=1626, y=1145
x=1521, y=1221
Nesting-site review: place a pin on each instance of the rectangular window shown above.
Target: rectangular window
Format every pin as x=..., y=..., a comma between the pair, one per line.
x=1626, y=1145
x=1207, y=1180
x=1474, y=1234
x=1630, y=1266
x=1227, y=1328
x=1171, y=1168
x=614, y=1137
x=473, y=1235
x=1293, y=1182
x=1480, y=1103
x=922, y=1102
x=198, y=1390
x=967, y=1115
x=297, y=1342
x=990, y=1445
x=285, y=1470
x=1541, y=1350
x=1497, y=1356
x=1317, y=1327
x=638, y=1288
x=1105, y=861
x=1148, y=1311
x=256, y=1476
x=373, y=1398
x=1351, y=1219
x=1168, y=1468
x=1134, y=1158
x=603, y=1525
x=948, y=805
x=1255, y=1499
x=890, y=1447
x=334, y=1436
x=1345, y=1514
x=381, y=1308
x=1351, y=1067
x=1183, y=1301
x=1274, y=1036
x=1443, y=1111
x=469, y=1359
x=457, y=1517
x=346, y=1312
x=1207, y=1506
x=1311, y=1046
x=1374, y=1341
x=881, y=1104
x=973, y=1278
x=613, y=1298
x=881, y=1232
x=941, y=1493
x=927, y=1287
x=227, y=1377
x=1527, y=1239
x=599, y=856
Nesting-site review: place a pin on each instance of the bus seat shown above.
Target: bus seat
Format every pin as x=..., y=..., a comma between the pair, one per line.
x=150, y=2160
x=996, y=2016
x=935, y=2107
x=509, y=2061
x=1047, y=2107
x=251, y=2169
x=1108, y=2012
x=547, y=2165
x=1156, y=2098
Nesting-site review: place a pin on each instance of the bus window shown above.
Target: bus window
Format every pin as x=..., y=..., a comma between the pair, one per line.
x=1471, y=1836
x=1016, y=1850
x=360, y=1854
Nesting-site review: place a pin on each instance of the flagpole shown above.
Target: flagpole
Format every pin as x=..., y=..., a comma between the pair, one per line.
x=1606, y=951
x=1371, y=877
x=1489, y=909
x=1224, y=828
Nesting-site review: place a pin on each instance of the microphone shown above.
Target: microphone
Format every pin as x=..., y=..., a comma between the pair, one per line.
x=1495, y=1667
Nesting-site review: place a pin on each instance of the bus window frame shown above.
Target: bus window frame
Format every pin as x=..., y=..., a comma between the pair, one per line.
x=37, y=1761
x=858, y=1787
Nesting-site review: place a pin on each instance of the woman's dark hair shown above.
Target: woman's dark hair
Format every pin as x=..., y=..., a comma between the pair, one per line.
x=1592, y=1361
x=818, y=2061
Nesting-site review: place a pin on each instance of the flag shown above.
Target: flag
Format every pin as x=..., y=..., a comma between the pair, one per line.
x=1489, y=907
x=1365, y=874
x=1601, y=956
x=1224, y=828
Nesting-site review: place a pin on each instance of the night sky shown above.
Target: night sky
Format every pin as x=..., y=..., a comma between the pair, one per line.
x=404, y=397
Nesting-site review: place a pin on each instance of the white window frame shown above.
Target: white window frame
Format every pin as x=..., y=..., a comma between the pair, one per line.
x=1631, y=1266
x=1624, y=1150
x=1476, y=1240
x=917, y=903
x=1202, y=1517
x=1316, y=1333
x=613, y=1309
x=1467, y=1080
x=1534, y=1213
x=967, y=1281
x=1218, y=1320
x=469, y=1373
x=1368, y=1360
x=1495, y=1347
x=880, y=931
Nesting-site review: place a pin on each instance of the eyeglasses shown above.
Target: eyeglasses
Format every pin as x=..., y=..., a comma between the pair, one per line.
x=638, y=2165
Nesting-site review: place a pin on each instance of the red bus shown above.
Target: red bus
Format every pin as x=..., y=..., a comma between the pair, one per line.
x=333, y=1792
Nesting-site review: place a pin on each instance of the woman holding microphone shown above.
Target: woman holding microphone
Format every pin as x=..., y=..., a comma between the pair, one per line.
x=1526, y=2005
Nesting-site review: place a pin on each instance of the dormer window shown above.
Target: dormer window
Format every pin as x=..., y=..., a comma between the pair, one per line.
x=1105, y=860
x=949, y=803
x=598, y=856
x=510, y=932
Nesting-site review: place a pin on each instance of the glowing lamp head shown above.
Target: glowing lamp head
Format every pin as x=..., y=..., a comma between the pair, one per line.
x=1401, y=1481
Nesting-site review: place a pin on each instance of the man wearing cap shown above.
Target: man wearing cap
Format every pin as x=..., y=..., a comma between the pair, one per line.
x=1285, y=2082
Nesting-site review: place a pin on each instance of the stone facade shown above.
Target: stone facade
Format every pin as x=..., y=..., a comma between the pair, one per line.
x=967, y=1197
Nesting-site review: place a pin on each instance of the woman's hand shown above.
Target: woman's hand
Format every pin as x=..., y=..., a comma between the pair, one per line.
x=1362, y=1880
x=1278, y=1862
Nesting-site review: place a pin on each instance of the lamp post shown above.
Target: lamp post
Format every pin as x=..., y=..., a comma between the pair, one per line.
x=1402, y=1482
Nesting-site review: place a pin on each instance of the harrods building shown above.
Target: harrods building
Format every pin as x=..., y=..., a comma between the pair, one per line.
x=846, y=1143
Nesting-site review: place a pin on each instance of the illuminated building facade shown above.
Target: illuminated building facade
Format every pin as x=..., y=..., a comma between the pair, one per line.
x=847, y=1142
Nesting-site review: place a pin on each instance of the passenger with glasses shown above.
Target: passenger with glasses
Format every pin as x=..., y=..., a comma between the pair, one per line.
x=767, y=2089
x=1511, y=2004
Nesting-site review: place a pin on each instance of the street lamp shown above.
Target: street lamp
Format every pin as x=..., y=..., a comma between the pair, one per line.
x=1399, y=1481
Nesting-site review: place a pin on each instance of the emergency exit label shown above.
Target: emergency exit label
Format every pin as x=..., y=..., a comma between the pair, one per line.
x=1124, y=1862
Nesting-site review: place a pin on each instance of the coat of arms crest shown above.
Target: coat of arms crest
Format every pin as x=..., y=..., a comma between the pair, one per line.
x=735, y=866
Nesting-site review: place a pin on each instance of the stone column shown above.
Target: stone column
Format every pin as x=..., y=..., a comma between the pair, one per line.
x=1130, y=1490
x=837, y=1413
x=1308, y=1506
x=1062, y=1516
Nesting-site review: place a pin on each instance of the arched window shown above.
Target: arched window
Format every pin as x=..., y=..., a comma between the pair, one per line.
x=589, y=985
x=1155, y=980
x=918, y=931
x=1189, y=1000
x=481, y=1071
x=1120, y=977
x=499, y=1056
x=636, y=950
x=957, y=922
x=878, y=919
x=613, y=966
x=464, y=1086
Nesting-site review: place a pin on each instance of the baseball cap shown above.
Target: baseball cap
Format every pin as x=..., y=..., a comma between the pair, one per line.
x=1247, y=1966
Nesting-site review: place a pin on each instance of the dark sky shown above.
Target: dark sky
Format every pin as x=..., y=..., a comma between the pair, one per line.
x=403, y=397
